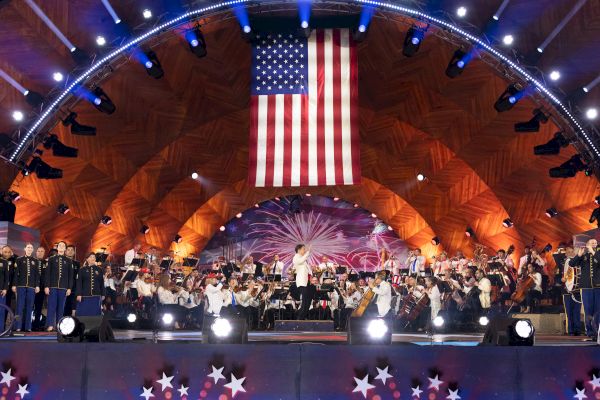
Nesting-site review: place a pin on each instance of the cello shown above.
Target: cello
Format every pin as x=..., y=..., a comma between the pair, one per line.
x=523, y=286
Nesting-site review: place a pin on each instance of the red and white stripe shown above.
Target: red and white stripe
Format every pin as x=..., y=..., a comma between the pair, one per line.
x=310, y=140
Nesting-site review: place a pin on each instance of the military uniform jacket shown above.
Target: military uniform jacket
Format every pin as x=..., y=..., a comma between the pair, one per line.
x=42, y=272
x=26, y=272
x=590, y=270
x=4, y=274
x=59, y=273
x=90, y=282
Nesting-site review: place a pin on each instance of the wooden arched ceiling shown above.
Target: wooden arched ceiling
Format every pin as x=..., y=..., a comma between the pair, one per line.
x=412, y=119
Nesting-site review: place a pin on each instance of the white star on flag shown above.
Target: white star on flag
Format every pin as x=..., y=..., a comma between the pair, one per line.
x=362, y=385
x=22, y=391
x=580, y=394
x=183, y=390
x=595, y=382
x=216, y=374
x=165, y=382
x=453, y=395
x=7, y=377
x=235, y=385
x=382, y=374
x=147, y=393
x=416, y=392
x=435, y=383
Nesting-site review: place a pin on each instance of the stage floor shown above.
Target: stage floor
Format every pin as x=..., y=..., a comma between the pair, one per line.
x=268, y=337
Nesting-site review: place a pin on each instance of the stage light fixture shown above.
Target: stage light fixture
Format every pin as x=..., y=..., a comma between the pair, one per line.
x=177, y=239
x=34, y=99
x=221, y=327
x=597, y=200
x=469, y=232
x=438, y=321
x=63, y=209
x=256, y=205
x=435, y=241
x=585, y=89
x=355, y=205
x=533, y=125
x=484, y=321
x=524, y=328
x=100, y=40
x=80, y=57
x=145, y=229
x=58, y=76
x=547, y=248
x=554, y=75
x=553, y=146
x=540, y=50
x=18, y=115
x=363, y=330
x=508, y=40
x=238, y=215
x=167, y=318
x=102, y=102
x=569, y=168
x=304, y=24
x=595, y=217
x=131, y=318
x=507, y=331
x=420, y=177
x=84, y=329
x=222, y=228
x=457, y=64
x=106, y=220
x=507, y=223
x=508, y=98
x=336, y=199
x=373, y=215
x=77, y=128
x=147, y=13
x=551, y=212
x=461, y=11
x=194, y=175
x=196, y=42
x=412, y=41
x=152, y=65
x=66, y=326
x=377, y=328
x=42, y=169
x=591, y=113
x=14, y=196
x=58, y=148
x=390, y=228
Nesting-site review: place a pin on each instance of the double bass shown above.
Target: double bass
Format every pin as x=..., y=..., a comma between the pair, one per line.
x=364, y=303
x=523, y=286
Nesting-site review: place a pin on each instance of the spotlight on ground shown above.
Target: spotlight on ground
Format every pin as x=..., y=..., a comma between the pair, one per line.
x=221, y=327
x=569, y=168
x=58, y=148
x=363, y=330
x=196, y=42
x=553, y=146
x=167, y=318
x=438, y=321
x=152, y=65
x=508, y=98
x=77, y=128
x=507, y=331
x=484, y=321
x=533, y=125
x=131, y=318
x=218, y=330
x=412, y=41
x=84, y=329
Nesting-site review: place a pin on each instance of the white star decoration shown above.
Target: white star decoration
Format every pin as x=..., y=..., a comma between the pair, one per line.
x=382, y=374
x=22, y=391
x=7, y=377
x=183, y=391
x=595, y=382
x=147, y=393
x=165, y=382
x=216, y=374
x=453, y=395
x=235, y=385
x=362, y=385
x=580, y=394
x=435, y=383
x=416, y=392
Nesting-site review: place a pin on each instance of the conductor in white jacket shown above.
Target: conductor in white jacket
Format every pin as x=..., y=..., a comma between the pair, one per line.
x=302, y=271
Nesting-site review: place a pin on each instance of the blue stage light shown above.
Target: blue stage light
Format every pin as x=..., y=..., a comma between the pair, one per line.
x=304, y=13
x=148, y=64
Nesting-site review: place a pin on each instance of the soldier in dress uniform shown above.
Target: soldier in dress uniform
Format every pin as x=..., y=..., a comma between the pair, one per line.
x=588, y=260
x=25, y=284
x=38, y=303
x=70, y=303
x=89, y=289
x=11, y=259
x=59, y=281
x=4, y=284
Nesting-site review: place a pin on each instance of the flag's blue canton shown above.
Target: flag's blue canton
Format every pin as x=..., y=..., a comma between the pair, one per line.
x=280, y=65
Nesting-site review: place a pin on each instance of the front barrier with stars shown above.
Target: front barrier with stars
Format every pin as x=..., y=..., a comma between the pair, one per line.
x=191, y=371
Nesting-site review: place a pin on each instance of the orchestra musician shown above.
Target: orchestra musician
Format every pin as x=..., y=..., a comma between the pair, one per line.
x=392, y=265
x=276, y=266
x=535, y=293
x=485, y=289
x=248, y=266
x=302, y=270
x=587, y=260
x=435, y=295
x=327, y=269
x=441, y=267
x=25, y=284
x=89, y=288
x=59, y=281
x=416, y=262
x=571, y=306
x=383, y=290
x=214, y=295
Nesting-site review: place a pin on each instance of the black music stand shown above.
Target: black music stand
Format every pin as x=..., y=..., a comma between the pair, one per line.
x=273, y=278
x=496, y=279
x=281, y=295
x=101, y=257
x=322, y=295
x=138, y=262
x=341, y=270
x=364, y=275
x=245, y=277
x=353, y=277
x=190, y=262
x=165, y=265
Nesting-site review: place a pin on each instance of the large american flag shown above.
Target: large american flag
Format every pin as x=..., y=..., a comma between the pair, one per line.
x=304, y=110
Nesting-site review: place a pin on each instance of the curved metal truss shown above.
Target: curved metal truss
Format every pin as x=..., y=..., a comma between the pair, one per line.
x=461, y=35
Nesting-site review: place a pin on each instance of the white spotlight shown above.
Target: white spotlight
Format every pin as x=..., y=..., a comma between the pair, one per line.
x=524, y=329
x=100, y=40
x=304, y=24
x=147, y=13
x=57, y=76
x=377, y=328
x=555, y=75
x=247, y=29
x=222, y=228
x=483, y=321
x=336, y=199
x=390, y=228
x=167, y=319
x=66, y=326
x=438, y=321
x=221, y=327
x=131, y=318
x=461, y=11
x=373, y=215
x=238, y=215
x=508, y=40
x=194, y=175
x=591, y=113
x=540, y=50
x=18, y=116
x=420, y=177
x=496, y=17
x=362, y=28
